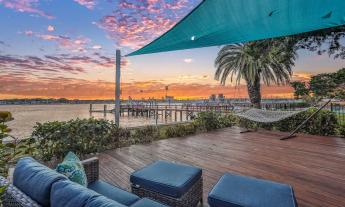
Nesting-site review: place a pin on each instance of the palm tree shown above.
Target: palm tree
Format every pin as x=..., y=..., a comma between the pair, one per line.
x=267, y=61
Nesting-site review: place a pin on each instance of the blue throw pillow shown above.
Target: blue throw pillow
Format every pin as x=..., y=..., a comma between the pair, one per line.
x=73, y=169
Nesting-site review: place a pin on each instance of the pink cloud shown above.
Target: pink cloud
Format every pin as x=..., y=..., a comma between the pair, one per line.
x=97, y=47
x=29, y=33
x=28, y=6
x=135, y=23
x=50, y=28
x=75, y=45
x=56, y=64
x=90, y=4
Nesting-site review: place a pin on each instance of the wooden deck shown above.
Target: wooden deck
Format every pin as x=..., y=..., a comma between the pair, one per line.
x=314, y=166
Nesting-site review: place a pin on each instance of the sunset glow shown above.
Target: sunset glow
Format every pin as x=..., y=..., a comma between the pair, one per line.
x=54, y=49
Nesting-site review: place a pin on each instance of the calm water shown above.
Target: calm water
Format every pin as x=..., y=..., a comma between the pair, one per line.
x=26, y=116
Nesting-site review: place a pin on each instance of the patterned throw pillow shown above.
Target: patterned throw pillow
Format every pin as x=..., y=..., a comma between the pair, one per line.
x=73, y=169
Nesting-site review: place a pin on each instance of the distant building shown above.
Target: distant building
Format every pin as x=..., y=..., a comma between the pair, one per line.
x=221, y=97
x=213, y=97
x=169, y=98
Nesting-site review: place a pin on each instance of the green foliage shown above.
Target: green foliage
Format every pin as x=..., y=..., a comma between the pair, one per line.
x=181, y=130
x=144, y=135
x=2, y=192
x=324, y=123
x=10, y=151
x=341, y=130
x=228, y=120
x=330, y=85
x=82, y=136
x=268, y=61
x=5, y=116
x=322, y=84
x=300, y=89
x=311, y=100
x=315, y=41
x=208, y=121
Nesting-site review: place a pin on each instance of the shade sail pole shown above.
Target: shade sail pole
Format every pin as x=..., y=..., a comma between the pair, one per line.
x=117, y=87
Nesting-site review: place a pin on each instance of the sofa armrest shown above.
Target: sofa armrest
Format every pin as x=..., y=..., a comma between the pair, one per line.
x=13, y=197
x=91, y=167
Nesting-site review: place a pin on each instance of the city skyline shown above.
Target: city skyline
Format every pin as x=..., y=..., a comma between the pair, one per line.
x=54, y=49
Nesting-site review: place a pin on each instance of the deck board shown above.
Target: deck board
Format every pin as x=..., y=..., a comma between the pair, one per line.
x=313, y=165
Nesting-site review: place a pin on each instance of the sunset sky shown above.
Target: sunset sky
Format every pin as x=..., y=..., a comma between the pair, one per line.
x=66, y=48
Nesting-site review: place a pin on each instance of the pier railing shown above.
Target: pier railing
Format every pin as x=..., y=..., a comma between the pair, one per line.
x=185, y=112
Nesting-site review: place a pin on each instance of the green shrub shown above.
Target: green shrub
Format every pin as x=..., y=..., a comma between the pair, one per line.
x=14, y=148
x=248, y=124
x=228, y=120
x=341, y=130
x=180, y=130
x=82, y=136
x=5, y=116
x=208, y=121
x=324, y=123
x=144, y=135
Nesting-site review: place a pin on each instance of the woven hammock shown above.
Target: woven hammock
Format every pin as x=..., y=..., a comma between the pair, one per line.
x=266, y=116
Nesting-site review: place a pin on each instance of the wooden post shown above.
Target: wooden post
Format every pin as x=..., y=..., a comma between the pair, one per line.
x=90, y=108
x=156, y=115
x=175, y=113
x=117, y=87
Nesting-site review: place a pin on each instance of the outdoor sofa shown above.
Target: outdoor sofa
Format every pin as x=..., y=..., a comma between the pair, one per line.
x=35, y=185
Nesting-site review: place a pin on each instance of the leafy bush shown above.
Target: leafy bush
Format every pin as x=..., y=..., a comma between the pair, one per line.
x=341, y=130
x=208, y=121
x=82, y=136
x=11, y=151
x=228, y=120
x=5, y=116
x=144, y=135
x=324, y=123
x=180, y=130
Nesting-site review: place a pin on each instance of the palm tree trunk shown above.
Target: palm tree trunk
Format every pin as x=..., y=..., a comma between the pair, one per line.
x=254, y=91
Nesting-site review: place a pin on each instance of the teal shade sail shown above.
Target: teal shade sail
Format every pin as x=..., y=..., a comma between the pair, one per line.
x=220, y=22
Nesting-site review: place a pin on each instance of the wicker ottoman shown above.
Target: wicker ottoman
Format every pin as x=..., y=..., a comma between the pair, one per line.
x=175, y=185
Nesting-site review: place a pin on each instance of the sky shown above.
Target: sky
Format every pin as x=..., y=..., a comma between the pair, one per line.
x=66, y=48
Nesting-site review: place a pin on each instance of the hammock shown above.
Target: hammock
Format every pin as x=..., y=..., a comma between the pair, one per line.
x=266, y=116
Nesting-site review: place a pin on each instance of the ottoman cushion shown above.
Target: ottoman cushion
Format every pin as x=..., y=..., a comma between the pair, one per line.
x=113, y=192
x=147, y=203
x=166, y=178
x=240, y=191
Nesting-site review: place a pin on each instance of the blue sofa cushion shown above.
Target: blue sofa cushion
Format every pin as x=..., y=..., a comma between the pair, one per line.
x=145, y=202
x=240, y=191
x=113, y=193
x=167, y=178
x=102, y=201
x=70, y=194
x=35, y=179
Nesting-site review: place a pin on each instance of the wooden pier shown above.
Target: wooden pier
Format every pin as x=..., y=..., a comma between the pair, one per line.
x=175, y=112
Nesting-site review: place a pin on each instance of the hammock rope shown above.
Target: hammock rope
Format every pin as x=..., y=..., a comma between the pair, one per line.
x=267, y=116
